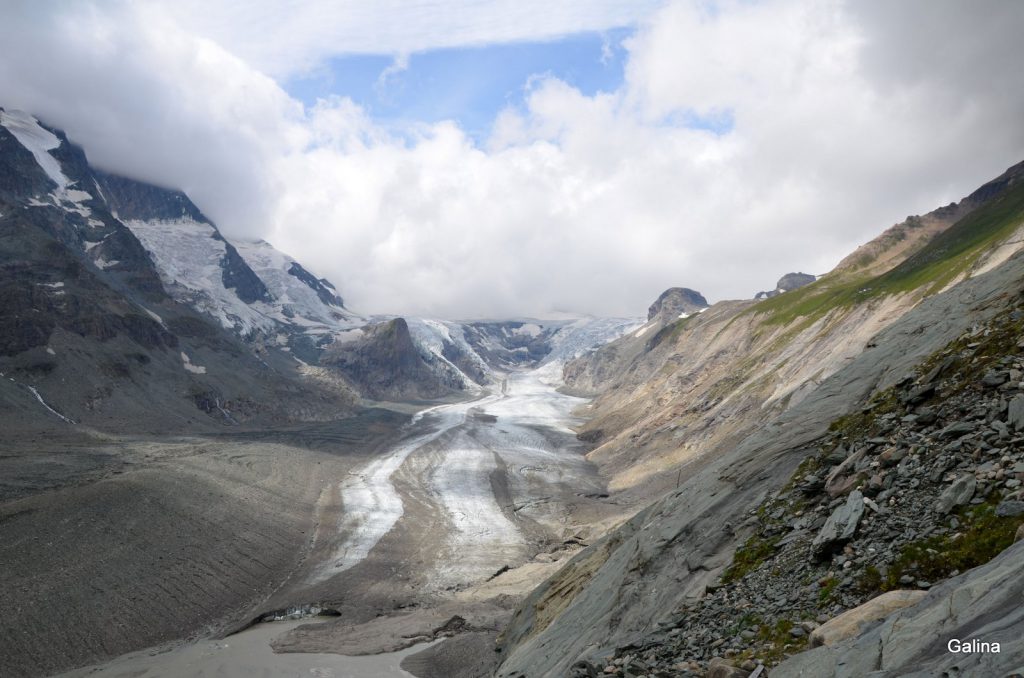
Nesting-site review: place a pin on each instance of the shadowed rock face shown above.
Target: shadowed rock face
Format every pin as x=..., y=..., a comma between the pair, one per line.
x=675, y=301
x=237, y=275
x=322, y=287
x=132, y=199
x=385, y=364
x=86, y=321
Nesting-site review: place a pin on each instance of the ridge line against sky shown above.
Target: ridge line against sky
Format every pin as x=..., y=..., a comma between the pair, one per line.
x=475, y=158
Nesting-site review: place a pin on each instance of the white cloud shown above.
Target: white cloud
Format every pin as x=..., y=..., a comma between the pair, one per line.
x=152, y=101
x=285, y=38
x=578, y=203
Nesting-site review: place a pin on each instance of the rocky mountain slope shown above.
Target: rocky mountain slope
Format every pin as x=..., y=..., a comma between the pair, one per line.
x=93, y=332
x=174, y=319
x=720, y=409
x=668, y=393
x=921, y=485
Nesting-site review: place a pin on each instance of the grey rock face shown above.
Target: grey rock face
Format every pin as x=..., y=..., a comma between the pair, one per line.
x=135, y=200
x=840, y=526
x=995, y=378
x=957, y=494
x=237, y=275
x=674, y=301
x=1015, y=413
x=324, y=289
x=386, y=364
x=1009, y=509
x=982, y=604
x=955, y=430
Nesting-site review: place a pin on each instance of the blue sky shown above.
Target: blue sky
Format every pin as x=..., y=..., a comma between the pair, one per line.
x=469, y=85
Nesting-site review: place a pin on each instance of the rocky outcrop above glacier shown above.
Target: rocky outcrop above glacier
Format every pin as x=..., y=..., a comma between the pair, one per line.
x=676, y=302
x=384, y=363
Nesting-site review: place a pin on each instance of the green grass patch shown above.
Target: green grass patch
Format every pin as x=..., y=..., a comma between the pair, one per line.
x=870, y=581
x=953, y=251
x=749, y=557
x=863, y=423
x=983, y=536
x=777, y=642
x=810, y=464
x=669, y=332
x=828, y=590
x=945, y=257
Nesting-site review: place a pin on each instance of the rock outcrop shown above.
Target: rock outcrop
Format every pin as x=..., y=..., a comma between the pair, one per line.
x=979, y=606
x=840, y=526
x=852, y=622
x=676, y=302
x=88, y=331
x=787, y=283
x=384, y=363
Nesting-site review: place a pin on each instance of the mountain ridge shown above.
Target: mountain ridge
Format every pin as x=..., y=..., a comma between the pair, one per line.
x=747, y=391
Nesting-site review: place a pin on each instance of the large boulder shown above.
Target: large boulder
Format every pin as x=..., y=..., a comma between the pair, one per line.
x=840, y=526
x=983, y=604
x=849, y=623
x=957, y=494
x=1015, y=413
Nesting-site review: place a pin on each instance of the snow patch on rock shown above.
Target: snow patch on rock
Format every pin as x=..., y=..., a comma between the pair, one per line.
x=187, y=364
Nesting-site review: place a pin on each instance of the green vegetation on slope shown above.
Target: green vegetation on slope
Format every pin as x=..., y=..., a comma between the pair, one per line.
x=946, y=256
x=985, y=535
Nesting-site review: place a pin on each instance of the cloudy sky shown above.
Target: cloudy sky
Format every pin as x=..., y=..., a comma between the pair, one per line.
x=468, y=158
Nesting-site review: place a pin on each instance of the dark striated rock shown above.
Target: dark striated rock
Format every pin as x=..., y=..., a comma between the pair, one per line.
x=1015, y=413
x=919, y=394
x=719, y=668
x=131, y=199
x=956, y=430
x=1010, y=509
x=995, y=378
x=324, y=289
x=237, y=275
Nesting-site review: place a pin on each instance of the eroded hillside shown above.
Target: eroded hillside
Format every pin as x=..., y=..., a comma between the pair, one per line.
x=723, y=407
x=673, y=390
